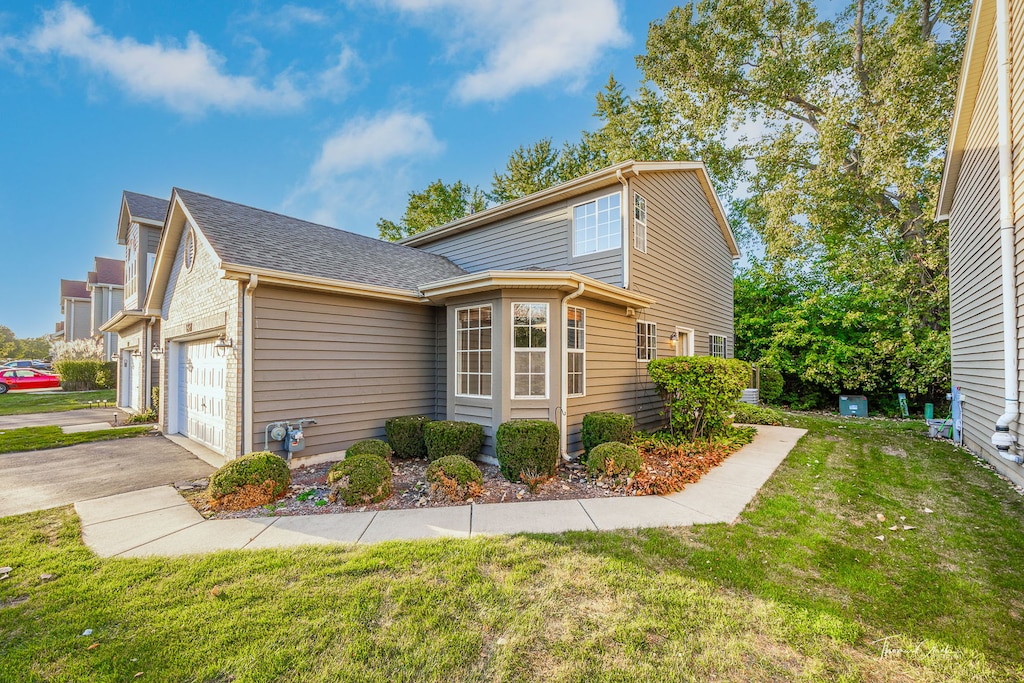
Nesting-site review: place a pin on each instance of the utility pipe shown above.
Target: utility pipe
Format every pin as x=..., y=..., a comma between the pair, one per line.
x=563, y=418
x=1002, y=439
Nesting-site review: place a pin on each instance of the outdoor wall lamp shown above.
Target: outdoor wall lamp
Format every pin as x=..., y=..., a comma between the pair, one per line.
x=114, y=356
x=222, y=345
x=156, y=351
x=673, y=336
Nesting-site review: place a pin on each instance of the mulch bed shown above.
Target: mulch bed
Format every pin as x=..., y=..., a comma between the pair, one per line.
x=666, y=469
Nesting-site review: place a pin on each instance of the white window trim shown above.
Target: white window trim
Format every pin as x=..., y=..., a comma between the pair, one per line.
x=689, y=346
x=638, y=224
x=725, y=345
x=457, y=360
x=652, y=348
x=572, y=225
x=581, y=352
x=547, y=351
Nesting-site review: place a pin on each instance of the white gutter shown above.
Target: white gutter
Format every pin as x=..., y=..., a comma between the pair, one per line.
x=1002, y=439
x=247, y=362
x=627, y=222
x=563, y=417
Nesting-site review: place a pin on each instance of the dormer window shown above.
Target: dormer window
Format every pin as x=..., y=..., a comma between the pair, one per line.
x=597, y=225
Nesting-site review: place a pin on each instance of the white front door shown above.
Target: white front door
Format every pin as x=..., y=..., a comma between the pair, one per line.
x=201, y=392
x=125, y=381
x=135, y=400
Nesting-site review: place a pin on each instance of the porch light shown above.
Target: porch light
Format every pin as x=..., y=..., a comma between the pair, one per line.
x=674, y=336
x=114, y=356
x=156, y=351
x=222, y=345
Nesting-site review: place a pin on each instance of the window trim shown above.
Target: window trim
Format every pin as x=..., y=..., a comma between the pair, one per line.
x=652, y=341
x=514, y=349
x=582, y=352
x=458, y=361
x=725, y=345
x=572, y=226
x=639, y=223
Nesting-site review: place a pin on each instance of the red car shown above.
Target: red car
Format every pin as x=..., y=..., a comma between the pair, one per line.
x=24, y=378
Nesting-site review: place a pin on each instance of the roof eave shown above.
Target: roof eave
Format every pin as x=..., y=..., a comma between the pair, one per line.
x=266, y=276
x=566, y=281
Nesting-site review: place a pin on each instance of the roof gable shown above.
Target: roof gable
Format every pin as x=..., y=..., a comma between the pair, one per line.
x=140, y=208
x=74, y=289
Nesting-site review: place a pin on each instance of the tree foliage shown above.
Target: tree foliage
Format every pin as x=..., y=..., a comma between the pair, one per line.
x=11, y=346
x=436, y=205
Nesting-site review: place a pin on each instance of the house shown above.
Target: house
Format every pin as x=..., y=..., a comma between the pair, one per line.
x=106, y=287
x=546, y=307
x=982, y=197
x=76, y=308
x=139, y=225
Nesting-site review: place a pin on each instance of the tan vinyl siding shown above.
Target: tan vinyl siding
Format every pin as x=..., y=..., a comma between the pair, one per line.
x=538, y=239
x=350, y=363
x=441, y=362
x=1017, y=138
x=688, y=267
x=975, y=306
x=81, y=317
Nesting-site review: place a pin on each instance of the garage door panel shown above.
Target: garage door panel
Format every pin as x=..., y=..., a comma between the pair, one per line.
x=203, y=382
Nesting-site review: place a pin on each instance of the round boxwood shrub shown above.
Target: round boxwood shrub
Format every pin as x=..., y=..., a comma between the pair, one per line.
x=253, y=469
x=599, y=428
x=457, y=477
x=360, y=479
x=527, y=447
x=613, y=458
x=446, y=437
x=405, y=435
x=371, y=446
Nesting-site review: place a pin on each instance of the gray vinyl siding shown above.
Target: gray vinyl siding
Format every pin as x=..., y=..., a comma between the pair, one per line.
x=688, y=267
x=537, y=239
x=350, y=363
x=974, y=273
x=149, y=239
x=81, y=317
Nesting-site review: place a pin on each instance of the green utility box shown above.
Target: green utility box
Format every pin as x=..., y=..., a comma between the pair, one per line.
x=853, y=406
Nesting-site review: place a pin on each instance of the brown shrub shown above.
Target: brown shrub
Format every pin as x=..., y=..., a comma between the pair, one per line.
x=248, y=496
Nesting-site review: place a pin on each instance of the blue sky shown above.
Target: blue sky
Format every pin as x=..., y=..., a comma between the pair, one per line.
x=329, y=111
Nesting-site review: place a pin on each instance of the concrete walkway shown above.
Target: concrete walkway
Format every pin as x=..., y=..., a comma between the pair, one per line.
x=158, y=521
x=67, y=418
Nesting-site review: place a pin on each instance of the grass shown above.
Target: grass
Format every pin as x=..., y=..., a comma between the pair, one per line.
x=800, y=589
x=52, y=402
x=38, y=438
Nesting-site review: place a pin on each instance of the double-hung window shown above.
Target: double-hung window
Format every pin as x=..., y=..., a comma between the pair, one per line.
x=597, y=225
x=576, y=344
x=646, y=341
x=529, y=350
x=473, y=351
x=717, y=345
x=639, y=223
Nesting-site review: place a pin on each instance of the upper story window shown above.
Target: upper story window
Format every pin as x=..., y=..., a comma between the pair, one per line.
x=717, y=345
x=646, y=341
x=576, y=344
x=131, y=264
x=473, y=351
x=639, y=223
x=597, y=225
x=529, y=350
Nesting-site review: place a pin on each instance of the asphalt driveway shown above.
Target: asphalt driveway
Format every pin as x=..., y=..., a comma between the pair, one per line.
x=60, y=476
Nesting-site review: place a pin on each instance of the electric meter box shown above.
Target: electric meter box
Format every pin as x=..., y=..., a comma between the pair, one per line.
x=853, y=406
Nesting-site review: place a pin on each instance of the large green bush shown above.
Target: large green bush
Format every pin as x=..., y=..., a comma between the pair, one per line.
x=446, y=437
x=252, y=469
x=614, y=458
x=86, y=375
x=599, y=428
x=455, y=476
x=372, y=446
x=360, y=479
x=527, y=447
x=744, y=413
x=699, y=391
x=405, y=435
x=771, y=385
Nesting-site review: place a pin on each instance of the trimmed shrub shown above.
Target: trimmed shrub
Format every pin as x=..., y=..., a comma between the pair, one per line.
x=744, y=413
x=771, y=385
x=527, y=446
x=599, y=428
x=252, y=469
x=360, y=479
x=405, y=435
x=446, y=437
x=457, y=477
x=85, y=375
x=699, y=392
x=612, y=459
x=371, y=446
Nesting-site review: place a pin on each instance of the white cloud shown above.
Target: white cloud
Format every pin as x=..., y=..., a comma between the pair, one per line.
x=288, y=17
x=526, y=43
x=188, y=78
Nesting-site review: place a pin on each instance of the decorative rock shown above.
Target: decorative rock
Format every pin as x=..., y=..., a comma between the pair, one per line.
x=6, y=570
x=47, y=577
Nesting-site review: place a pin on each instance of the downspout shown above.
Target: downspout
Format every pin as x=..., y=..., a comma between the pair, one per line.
x=1002, y=439
x=563, y=408
x=147, y=385
x=247, y=361
x=626, y=223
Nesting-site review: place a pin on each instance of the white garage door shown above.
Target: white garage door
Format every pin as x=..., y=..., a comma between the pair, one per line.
x=124, y=380
x=201, y=381
x=135, y=400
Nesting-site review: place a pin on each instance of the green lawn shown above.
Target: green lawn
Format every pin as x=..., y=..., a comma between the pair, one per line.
x=38, y=438
x=53, y=401
x=800, y=589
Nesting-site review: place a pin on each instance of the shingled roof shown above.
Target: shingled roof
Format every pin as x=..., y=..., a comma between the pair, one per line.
x=245, y=236
x=74, y=289
x=144, y=206
x=109, y=271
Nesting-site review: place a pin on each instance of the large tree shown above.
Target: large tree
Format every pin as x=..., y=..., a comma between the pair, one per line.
x=436, y=205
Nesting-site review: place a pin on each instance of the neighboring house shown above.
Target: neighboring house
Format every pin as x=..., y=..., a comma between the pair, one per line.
x=76, y=307
x=546, y=307
x=106, y=289
x=139, y=225
x=982, y=197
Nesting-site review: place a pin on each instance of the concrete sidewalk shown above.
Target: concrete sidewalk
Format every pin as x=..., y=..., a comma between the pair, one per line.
x=158, y=521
